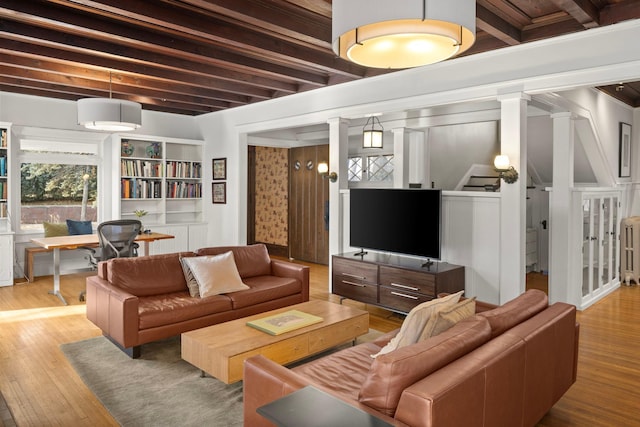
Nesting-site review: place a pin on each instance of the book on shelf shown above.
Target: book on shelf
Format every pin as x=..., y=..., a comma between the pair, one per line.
x=3, y=138
x=143, y=168
x=184, y=190
x=284, y=322
x=183, y=169
x=137, y=188
x=3, y=166
x=3, y=209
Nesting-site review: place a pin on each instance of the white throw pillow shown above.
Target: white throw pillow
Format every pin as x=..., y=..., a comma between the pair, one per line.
x=415, y=321
x=215, y=274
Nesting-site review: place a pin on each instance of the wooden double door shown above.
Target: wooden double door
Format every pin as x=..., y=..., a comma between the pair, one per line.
x=305, y=202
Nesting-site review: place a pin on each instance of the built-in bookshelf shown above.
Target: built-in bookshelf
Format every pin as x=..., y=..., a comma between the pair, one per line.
x=162, y=177
x=6, y=232
x=4, y=177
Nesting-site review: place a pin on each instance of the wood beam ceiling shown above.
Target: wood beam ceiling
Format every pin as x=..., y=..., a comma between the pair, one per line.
x=197, y=56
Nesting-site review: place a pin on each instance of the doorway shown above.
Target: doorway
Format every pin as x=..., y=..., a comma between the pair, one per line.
x=288, y=202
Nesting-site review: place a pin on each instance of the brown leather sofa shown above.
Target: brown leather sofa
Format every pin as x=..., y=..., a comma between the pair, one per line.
x=139, y=300
x=505, y=366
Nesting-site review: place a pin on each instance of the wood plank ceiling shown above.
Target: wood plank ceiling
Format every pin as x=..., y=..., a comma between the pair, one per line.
x=196, y=56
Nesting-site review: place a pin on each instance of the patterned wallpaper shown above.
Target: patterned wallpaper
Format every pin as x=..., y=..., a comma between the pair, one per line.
x=272, y=204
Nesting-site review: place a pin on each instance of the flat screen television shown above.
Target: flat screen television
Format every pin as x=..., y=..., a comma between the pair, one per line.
x=402, y=221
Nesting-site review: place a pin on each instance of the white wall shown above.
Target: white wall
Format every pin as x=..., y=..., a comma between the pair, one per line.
x=57, y=119
x=454, y=149
x=561, y=63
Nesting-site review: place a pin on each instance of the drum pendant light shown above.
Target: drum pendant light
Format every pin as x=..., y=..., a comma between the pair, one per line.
x=108, y=114
x=402, y=34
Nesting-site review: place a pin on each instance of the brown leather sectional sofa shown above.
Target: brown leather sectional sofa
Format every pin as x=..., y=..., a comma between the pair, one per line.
x=505, y=366
x=139, y=300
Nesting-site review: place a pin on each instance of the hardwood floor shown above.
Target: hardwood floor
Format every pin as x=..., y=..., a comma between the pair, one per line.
x=42, y=389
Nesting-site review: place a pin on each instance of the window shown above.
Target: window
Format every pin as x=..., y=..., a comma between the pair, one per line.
x=58, y=181
x=355, y=169
x=379, y=168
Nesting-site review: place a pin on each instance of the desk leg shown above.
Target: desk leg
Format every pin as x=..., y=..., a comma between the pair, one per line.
x=145, y=246
x=56, y=276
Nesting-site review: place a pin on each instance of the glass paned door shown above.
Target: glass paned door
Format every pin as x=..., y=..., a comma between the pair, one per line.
x=600, y=245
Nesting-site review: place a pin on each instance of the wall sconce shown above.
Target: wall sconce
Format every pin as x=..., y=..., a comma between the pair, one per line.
x=323, y=169
x=372, y=135
x=505, y=170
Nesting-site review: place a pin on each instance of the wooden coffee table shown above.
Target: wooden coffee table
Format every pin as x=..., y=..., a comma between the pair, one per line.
x=220, y=350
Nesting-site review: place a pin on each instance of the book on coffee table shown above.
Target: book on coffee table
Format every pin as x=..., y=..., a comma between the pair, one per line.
x=284, y=322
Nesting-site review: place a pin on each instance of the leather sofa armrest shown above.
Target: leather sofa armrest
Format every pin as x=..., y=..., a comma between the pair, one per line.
x=480, y=305
x=384, y=339
x=265, y=381
x=288, y=269
x=113, y=310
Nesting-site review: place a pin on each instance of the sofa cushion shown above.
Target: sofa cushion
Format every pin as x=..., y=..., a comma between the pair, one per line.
x=215, y=274
x=515, y=311
x=148, y=275
x=342, y=372
x=169, y=309
x=251, y=260
x=444, y=319
x=391, y=373
x=55, y=229
x=416, y=320
x=263, y=289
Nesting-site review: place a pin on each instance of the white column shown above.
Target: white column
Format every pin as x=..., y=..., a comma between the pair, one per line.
x=560, y=209
x=513, y=143
x=400, y=158
x=338, y=157
x=419, y=166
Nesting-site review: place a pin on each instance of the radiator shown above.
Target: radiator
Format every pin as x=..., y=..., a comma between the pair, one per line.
x=630, y=250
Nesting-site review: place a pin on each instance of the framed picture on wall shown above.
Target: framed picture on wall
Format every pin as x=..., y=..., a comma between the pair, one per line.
x=624, y=159
x=219, y=192
x=219, y=167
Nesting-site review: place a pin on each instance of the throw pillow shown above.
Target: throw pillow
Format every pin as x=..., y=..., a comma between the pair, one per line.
x=216, y=274
x=79, y=227
x=415, y=321
x=55, y=229
x=444, y=319
x=192, y=283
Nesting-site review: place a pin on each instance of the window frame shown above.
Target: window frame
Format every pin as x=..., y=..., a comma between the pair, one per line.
x=92, y=158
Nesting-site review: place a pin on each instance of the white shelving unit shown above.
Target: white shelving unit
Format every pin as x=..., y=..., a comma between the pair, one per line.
x=6, y=232
x=162, y=176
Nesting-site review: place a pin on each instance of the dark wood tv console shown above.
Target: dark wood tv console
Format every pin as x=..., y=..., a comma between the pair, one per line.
x=394, y=282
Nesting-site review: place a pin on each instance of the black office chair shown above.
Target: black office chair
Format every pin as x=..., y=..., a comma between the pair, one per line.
x=115, y=240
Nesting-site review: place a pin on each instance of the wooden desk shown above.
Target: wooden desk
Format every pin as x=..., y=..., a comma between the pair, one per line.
x=74, y=242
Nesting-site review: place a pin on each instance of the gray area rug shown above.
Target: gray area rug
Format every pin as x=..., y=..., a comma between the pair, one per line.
x=159, y=388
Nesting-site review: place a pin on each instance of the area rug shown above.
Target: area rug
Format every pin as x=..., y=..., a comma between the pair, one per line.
x=159, y=388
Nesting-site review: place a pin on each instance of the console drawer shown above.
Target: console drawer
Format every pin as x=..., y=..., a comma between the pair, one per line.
x=401, y=300
x=354, y=271
x=407, y=281
x=355, y=289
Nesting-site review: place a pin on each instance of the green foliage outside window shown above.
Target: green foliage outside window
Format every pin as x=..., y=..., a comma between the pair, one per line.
x=56, y=183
